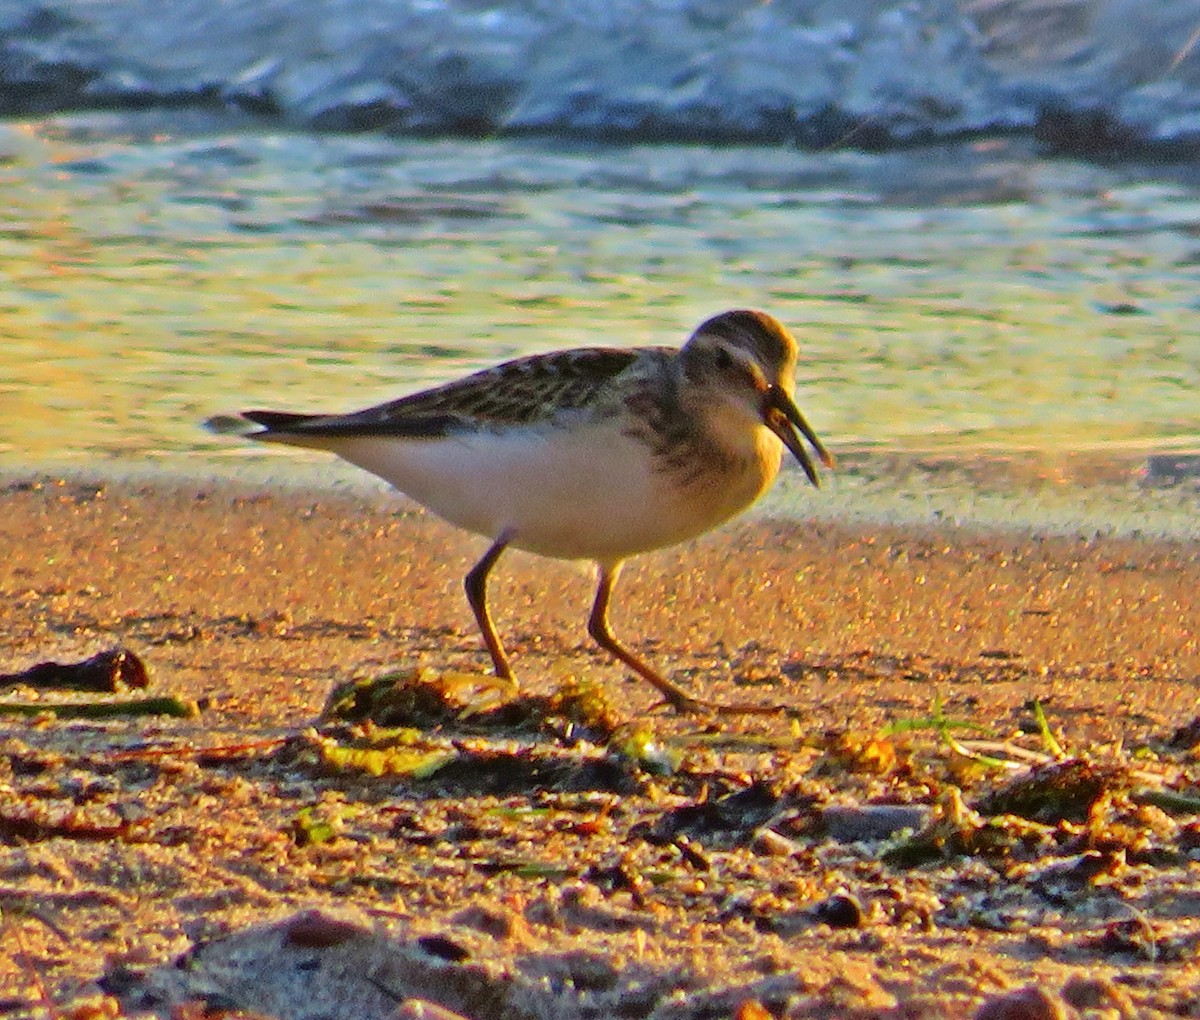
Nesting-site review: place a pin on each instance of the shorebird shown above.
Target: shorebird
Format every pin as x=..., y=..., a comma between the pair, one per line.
x=594, y=453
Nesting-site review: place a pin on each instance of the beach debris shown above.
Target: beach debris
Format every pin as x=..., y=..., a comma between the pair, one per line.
x=735, y=818
x=1187, y=737
x=113, y=670
x=404, y=698
x=850, y=751
x=1145, y=937
x=649, y=753
x=1173, y=802
x=313, y=826
x=478, y=766
x=1056, y=792
x=31, y=822
x=957, y=830
x=412, y=762
x=1049, y=740
x=169, y=705
x=426, y=700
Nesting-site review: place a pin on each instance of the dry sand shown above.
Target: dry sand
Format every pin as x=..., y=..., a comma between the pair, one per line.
x=561, y=870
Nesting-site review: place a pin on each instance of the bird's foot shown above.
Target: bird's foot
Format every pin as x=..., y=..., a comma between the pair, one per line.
x=687, y=704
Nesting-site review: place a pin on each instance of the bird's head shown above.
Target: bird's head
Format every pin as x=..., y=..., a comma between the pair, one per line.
x=745, y=362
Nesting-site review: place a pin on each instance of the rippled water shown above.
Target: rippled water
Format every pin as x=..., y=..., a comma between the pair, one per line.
x=159, y=270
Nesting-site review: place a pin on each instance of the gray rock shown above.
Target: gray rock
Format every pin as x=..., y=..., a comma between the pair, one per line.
x=873, y=822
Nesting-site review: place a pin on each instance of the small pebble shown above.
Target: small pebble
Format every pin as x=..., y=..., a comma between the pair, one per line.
x=770, y=843
x=1098, y=993
x=839, y=911
x=1028, y=1003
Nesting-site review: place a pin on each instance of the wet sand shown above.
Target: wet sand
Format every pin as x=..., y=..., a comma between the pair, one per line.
x=255, y=603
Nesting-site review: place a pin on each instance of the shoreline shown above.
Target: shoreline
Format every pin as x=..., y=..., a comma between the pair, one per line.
x=1141, y=491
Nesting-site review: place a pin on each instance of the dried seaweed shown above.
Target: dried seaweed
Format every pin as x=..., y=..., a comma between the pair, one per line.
x=428, y=700
x=1055, y=792
x=169, y=705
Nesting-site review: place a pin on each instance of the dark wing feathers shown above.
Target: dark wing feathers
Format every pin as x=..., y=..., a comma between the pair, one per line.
x=519, y=392
x=289, y=423
x=277, y=421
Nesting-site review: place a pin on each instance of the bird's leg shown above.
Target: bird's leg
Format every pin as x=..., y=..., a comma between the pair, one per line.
x=598, y=628
x=476, y=585
x=676, y=697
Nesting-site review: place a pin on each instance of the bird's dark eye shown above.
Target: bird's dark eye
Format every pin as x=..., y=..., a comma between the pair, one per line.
x=723, y=359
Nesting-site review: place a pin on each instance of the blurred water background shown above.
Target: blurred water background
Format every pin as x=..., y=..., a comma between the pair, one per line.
x=981, y=220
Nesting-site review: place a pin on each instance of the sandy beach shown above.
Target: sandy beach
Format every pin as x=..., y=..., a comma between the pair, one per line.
x=122, y=847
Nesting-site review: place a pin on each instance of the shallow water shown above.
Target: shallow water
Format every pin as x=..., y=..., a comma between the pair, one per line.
x=161, y=268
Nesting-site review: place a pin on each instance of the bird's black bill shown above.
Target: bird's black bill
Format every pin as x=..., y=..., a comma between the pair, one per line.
x=783, y=417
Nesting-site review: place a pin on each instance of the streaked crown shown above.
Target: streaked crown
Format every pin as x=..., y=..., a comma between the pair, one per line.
x=759, y=337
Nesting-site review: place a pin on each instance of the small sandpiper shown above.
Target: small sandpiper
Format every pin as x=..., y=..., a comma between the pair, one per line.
x=595, y=453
